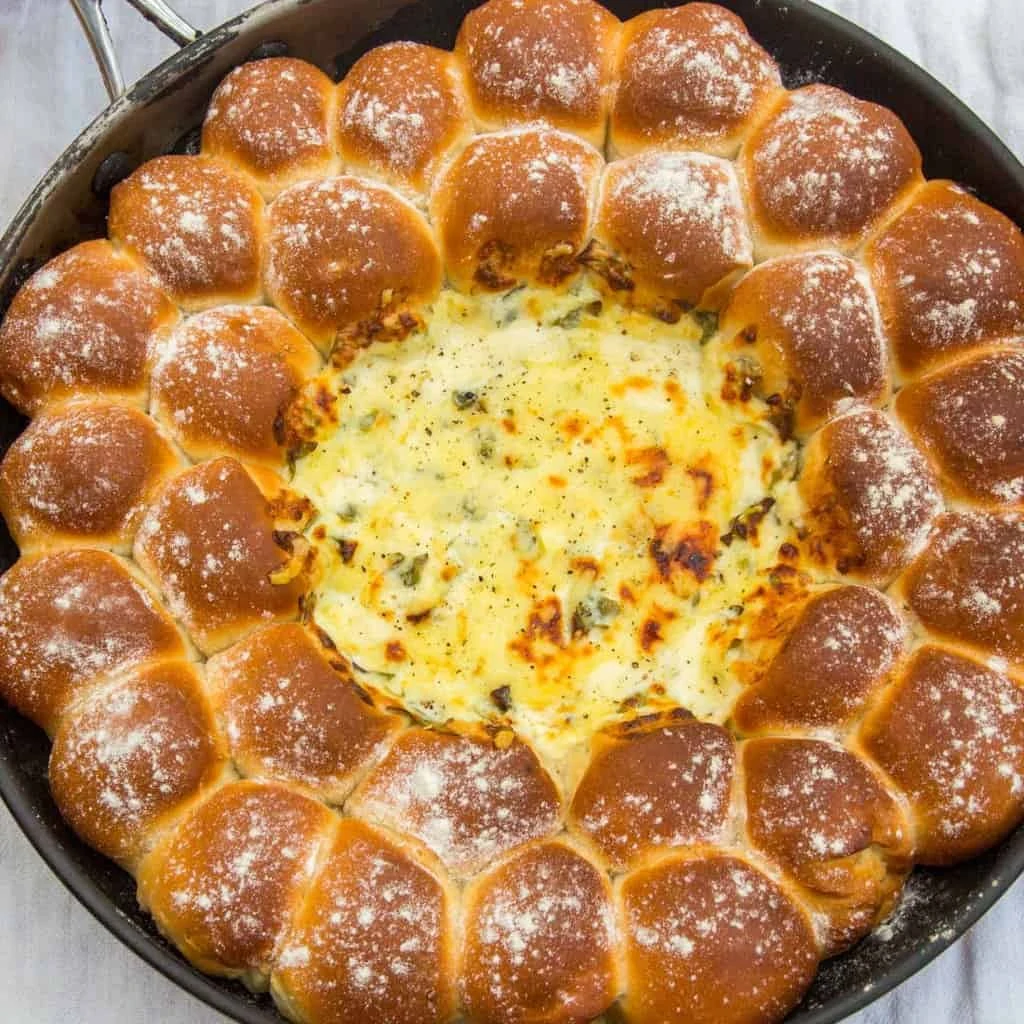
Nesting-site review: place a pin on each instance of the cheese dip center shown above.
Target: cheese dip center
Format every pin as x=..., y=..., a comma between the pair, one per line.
x=521, y=510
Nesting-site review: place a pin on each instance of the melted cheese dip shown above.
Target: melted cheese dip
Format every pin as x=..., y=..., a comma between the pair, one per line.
x=520, y=513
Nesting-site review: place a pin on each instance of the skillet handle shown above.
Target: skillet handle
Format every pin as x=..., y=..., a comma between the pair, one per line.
x=94, y=24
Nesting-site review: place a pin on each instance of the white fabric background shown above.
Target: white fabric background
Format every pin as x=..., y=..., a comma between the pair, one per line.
x=57, y=965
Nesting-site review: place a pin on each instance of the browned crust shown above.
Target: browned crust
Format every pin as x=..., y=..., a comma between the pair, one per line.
x=293, y=712
x=83, y=324
x=950, y=734
x=401, y=108
x=225, y=883
x=271, y=119
x=871, y=496
x=209, y=541
x=344, y=249
x=514, y=206
x=540, y=60
x=968, y=583
x=197, y=224
x=823, y=816
x=837, y=654
x=130, y=756
x=539, y=940
x=223, y=382
x=824, y=168
x=689, y=77
x=969, y=418
x=374, y=938
x=676, y=220
x=709, y=939
x=68, y=618
x=949, y=272
x=83, y=473
x=663, y=784
x=466, y=794
x=811, y=324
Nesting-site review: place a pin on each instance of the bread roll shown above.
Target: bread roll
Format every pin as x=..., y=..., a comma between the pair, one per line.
x=197, y=224
x=466, y=794
x=85, y=324
x=83, y=474
x=271, y=119
x=68, y=618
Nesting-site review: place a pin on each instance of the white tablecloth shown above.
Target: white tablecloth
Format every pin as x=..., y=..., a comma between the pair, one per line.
x=57, y=965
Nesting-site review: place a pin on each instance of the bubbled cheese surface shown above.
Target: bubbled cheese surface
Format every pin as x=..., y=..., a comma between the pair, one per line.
x=521, y=510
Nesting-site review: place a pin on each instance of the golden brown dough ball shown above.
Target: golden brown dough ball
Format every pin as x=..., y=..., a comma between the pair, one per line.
x=83, y=324
x=343, y=250
x=224, y=884
x=968, y=583
x=292, y=711
x=374, y=939
x=271, y=118
x=824, y=168
x=950, y=734
x=197, y=224
x=689, y=77
x=660, y=782
x=675, y=224
x=130, y=756
x=834, y=658
x=224, y=379
x=710, y=939
x=870, y=494
x=540, y=60
x=949, y=272
x=811, y=326
x=465, y=794
x=516, y=205
x=83, y=473
x=401, y=108
x=209, y=541
x=822, y=815
x=969, y=418
x=539, y=940
x=68, y=618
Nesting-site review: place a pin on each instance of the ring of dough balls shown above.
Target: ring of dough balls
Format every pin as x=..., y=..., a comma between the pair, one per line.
x=823, y=169
x=372, y=864
x=69, y=618
x=223, y=381
x=293, y=712
x=342, y=250
x=83, y=473
x=130, y=756
x=689, y=77
x=401, y=108
x=197, y=224
x=272, y=119
x=84, y=324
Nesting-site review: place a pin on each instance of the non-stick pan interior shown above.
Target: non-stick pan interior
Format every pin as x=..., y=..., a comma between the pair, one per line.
x=158, y=115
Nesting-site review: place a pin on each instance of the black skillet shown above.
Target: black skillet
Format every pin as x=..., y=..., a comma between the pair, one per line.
x=160, y=113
